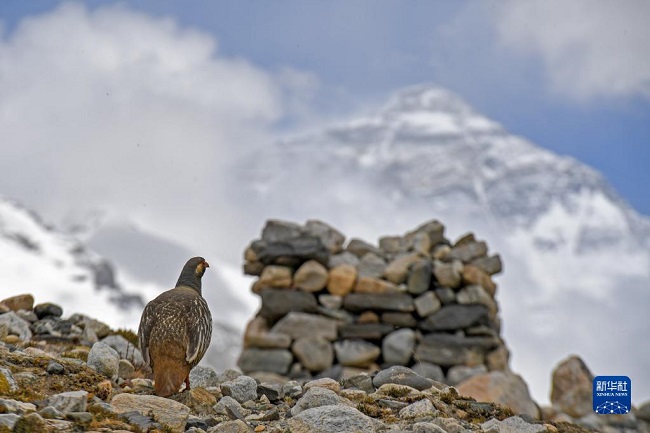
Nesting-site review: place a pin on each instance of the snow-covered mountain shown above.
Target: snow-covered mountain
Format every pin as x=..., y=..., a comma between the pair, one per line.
x=55, y=267
x=577, y=260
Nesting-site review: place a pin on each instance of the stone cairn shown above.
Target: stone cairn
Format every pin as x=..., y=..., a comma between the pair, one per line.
x=334, y=310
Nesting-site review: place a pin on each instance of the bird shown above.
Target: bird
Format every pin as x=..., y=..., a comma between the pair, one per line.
x=175, y=330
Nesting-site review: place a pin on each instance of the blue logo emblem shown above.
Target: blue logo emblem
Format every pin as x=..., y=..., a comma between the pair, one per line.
x=612, y=395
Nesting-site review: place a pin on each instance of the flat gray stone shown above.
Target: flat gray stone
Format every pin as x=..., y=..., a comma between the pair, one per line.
x=397, y=347
x=329, y=236
x=242, y=389
x=333, y=419
x=356, y=353
x=427, y=304
x=360, y=248
x=449, y=350
x=453, y=317
x=419, y=278
x=344, y=258
x=357, y=302
x=401, y=375
x=276, y=303
x=124, y=348
x=8, y=420
x=203, y=376
x=66, y=402
x=314, y=353
x=167, y=412
x=419, y=409
x=16, y=325
x=104, y=360
x=371, y=265
x=273, y=360
x=315, y=397
x=514, y=424
x=296, y=325
x=429, y=370
x=491, y=265
x=469, y=251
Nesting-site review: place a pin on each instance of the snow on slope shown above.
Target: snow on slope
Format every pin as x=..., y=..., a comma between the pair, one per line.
x=56, y=268
x=577, y=262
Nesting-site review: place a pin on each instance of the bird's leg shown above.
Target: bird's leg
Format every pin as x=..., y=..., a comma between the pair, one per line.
x=187, y=383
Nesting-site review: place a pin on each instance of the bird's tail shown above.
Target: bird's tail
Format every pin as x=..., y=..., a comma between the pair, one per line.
x=168, y=376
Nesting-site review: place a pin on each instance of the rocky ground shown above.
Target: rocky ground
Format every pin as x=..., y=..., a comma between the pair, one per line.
x=77, y=374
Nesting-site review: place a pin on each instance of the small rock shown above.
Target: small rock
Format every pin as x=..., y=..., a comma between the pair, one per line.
x=356, y=353
x=272, y=390
x=227, y=404
x=292, y=389
x=19, y=302
x=50, y=412
x=277, y=231
x=397, y=270
x=344, y=258
x=497, y=387
x=71, y=401
x=125, y=369
x=474, y=275
x=274, y=276
x=166, y=411
x=324, y=382
x=643, y=412
x=514, y=424
x=397, y=347
x=314, y=353
x=360, y=248
x=329, y=236
x=7, y=382
x=273, y=360
x=8, y=420
x=468, y=251
x=419, y=278
x=419, y=409
x=296, y=325
x=333, y=302
x=448, y=274
x=15, y=406
x=571, y=388
x=429, y=370
x=459, y=373
x=392, y=244
x=453, y=317
x=361, y=381
x=315, y=397
x=276, y=303
x=404, y=320
x=48, y=309
x=371, y=265
x=311, y=276
x=142, y=422
x=242, y=389
x=378, y=301
x=79, y=417
x=124, y=348
x=491, y=265
x=342, y=279
x=401, y=375
x=54, y=368
x=446, y=295
x=32, y=422
x=16, y=325
x=333, y=419
x=104, y=360
x=427, y=304
x=204, y=377
x=374, y=285
x=236, y=426
x=475, y=294
x=427, y=427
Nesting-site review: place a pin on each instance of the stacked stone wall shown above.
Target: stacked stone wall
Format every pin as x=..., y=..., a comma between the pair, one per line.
x=335, y=308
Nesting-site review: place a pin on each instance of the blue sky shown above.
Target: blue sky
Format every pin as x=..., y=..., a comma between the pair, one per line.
x=573, y=79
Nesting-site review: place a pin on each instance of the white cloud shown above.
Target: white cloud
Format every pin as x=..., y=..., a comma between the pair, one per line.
x=589, y=48
x=114, y=108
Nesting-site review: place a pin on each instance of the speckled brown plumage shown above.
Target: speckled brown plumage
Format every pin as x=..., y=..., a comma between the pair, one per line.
x=175, y=330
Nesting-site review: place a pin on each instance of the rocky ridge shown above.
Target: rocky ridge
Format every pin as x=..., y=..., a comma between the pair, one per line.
x=76, y=374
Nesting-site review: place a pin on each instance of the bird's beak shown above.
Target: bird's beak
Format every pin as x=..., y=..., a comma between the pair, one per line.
x=206, y=265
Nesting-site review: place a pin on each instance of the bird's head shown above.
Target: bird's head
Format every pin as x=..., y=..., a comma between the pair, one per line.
x=192, y=273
